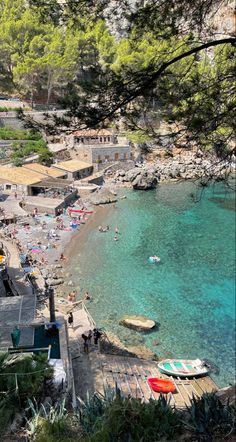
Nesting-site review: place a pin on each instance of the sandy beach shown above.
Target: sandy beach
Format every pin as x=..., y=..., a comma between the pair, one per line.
x=97, y=218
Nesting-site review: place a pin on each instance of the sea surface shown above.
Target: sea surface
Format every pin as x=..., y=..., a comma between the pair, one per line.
x=191, y=293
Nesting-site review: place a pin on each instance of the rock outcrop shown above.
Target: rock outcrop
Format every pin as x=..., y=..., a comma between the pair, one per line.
x=103, y=196
x=139, y=323
x=145, y=181
x=111, y=344
x=188, y=165
x=141, y=177
x=53, y=282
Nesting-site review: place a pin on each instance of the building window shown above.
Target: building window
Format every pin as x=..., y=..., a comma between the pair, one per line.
x=100, y=139
x=108, y=138
x=116, y=156
x=105, y=139
x=107, y=157
x=8, y=186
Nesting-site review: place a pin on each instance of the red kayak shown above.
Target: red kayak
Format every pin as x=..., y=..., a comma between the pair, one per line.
x=161, y=385
x=80, y=211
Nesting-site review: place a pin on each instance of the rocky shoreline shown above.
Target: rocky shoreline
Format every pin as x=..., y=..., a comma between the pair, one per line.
x=183, y=166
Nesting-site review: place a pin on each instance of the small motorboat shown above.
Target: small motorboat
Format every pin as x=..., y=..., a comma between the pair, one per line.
x=183, y=367
x=154, y=259
x=161, y=385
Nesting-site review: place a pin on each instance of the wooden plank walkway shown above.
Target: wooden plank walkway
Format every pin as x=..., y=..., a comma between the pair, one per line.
x=95, y=370
x=130, y=375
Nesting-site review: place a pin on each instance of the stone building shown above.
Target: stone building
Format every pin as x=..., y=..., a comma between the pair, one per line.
x=18, y=179
x=47, y=172
x=94, y=136
x=45, y=188
x=100, y=146
x=74, y=169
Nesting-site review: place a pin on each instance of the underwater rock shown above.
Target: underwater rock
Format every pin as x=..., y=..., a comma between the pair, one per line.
x=139, y=323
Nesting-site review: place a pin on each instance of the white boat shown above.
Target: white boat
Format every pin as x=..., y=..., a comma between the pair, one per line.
x=154, y=259
x=183, y=367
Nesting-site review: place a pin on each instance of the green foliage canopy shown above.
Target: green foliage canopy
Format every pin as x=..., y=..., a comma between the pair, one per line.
x=166, y=66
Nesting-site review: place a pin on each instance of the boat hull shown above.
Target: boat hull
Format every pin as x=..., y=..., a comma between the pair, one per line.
x=183, y=367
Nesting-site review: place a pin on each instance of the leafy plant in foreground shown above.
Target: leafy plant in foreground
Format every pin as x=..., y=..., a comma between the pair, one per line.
x=50, y=423
x=209, y=419
x=21, y=377
x=115, y=418
x=94, y=406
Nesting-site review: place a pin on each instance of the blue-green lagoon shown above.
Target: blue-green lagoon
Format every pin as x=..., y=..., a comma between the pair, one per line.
x=191, y=293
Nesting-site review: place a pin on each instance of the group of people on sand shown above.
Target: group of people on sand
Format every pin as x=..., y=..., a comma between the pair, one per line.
x=105, y=229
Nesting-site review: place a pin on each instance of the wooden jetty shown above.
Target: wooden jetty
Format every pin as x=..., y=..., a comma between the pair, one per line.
x=131, y=374
x=97, y=370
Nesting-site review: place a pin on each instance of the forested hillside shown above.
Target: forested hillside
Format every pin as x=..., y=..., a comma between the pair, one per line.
x=167, y=61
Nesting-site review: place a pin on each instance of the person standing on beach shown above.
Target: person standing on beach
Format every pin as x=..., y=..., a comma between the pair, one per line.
x=85, y=339
x=70, y=319
x=89, y=337
x=96, y=335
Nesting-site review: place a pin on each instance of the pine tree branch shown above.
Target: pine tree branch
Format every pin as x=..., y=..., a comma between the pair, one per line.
x=136, y=93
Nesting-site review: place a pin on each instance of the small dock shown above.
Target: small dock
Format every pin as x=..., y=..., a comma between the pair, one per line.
x=130, y=375
x=96, y=371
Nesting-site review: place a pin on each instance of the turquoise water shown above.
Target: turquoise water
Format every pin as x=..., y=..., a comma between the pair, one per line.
x=191, y=293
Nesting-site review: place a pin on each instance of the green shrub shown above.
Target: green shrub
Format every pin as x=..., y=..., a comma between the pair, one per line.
x=45, y=156
x=114, y=418
x=210, y=420
x=22, y=150
x=132, y=420
x=94, y=407
x=51, y=424
x=7, y=133
x=12, y=109
x=15, y=389
x=111, y=417
x=18, y=162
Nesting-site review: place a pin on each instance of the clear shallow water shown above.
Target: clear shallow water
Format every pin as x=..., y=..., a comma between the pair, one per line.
x=191, y=293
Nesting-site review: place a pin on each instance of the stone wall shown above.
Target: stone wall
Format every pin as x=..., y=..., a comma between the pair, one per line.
x=103, y=154
x=8, y=186
x=29, y=207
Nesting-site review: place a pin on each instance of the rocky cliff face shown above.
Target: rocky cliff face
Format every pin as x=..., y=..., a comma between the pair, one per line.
x=190, y=165
x=116, y=14
x=223, y=21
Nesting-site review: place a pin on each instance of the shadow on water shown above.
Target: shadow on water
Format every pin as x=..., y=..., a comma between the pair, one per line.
x=224, y=203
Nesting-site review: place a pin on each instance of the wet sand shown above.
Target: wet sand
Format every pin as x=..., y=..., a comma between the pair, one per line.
x=79, y=239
